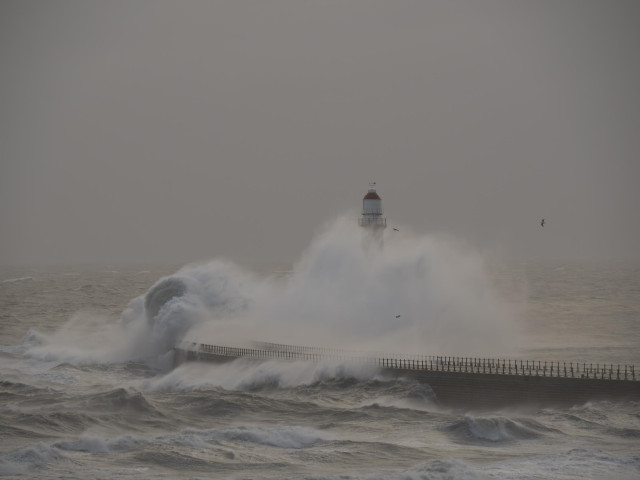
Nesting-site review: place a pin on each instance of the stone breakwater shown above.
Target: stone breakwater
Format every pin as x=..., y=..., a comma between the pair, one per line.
x=468, y=382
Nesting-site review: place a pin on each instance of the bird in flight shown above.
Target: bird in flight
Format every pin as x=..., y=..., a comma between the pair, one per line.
x=397, y=316
x=395, y=229
x=542, y=222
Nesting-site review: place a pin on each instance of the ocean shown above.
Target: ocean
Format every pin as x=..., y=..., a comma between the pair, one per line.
x=89, y=389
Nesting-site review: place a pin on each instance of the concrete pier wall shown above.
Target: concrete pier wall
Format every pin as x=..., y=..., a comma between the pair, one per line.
x=491, y=391
x=477, y=383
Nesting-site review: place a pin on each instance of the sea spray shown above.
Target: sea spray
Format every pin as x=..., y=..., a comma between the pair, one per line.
x=420, y=294
x=248, y=375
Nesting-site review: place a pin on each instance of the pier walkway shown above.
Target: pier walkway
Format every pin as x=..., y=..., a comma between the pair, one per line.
x=467, y=382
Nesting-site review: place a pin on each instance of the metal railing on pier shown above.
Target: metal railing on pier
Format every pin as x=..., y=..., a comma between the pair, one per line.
x=433, y=363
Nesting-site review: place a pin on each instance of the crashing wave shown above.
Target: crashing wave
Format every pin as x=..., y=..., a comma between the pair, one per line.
x=161, y=293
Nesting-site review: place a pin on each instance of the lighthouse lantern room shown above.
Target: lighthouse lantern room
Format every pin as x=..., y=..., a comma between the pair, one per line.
x=372, y=210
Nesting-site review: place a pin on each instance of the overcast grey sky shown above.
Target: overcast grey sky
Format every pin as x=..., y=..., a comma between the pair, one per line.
x=156, y=131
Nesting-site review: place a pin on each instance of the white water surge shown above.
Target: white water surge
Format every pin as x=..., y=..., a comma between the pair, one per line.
x=88, y=391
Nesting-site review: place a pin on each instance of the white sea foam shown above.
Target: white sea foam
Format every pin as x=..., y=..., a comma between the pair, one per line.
x=85, y=444
x=19, y=279
x=94, y=444
x=87, y=338
x=280, y=436
x=246, y=375
x=23, y=459
x=31, y=339
x=569, y=464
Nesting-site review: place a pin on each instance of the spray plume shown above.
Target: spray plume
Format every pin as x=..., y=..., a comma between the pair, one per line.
x=420, y=294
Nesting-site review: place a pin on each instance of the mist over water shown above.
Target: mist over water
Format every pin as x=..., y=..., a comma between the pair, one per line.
x=417, y=294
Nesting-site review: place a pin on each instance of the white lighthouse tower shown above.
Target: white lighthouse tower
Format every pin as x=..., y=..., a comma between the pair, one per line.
x=371, y=219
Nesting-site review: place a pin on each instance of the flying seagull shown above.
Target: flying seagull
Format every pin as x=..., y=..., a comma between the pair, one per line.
x=395, y=229
x=542, y=222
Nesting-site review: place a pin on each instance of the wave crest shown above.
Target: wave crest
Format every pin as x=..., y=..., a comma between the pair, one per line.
x=489, y=429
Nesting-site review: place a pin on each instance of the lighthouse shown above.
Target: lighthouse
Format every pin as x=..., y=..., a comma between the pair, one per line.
x=371, y=220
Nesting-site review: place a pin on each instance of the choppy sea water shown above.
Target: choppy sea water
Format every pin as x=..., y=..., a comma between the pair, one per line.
x=75, y=403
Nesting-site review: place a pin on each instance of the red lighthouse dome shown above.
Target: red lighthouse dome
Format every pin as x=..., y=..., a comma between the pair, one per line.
x=372, y=195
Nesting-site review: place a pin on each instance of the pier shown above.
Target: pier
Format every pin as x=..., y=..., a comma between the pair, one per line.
x=468, y=382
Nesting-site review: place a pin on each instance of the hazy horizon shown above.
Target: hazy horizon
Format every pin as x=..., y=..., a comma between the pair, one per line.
x=156, y=132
